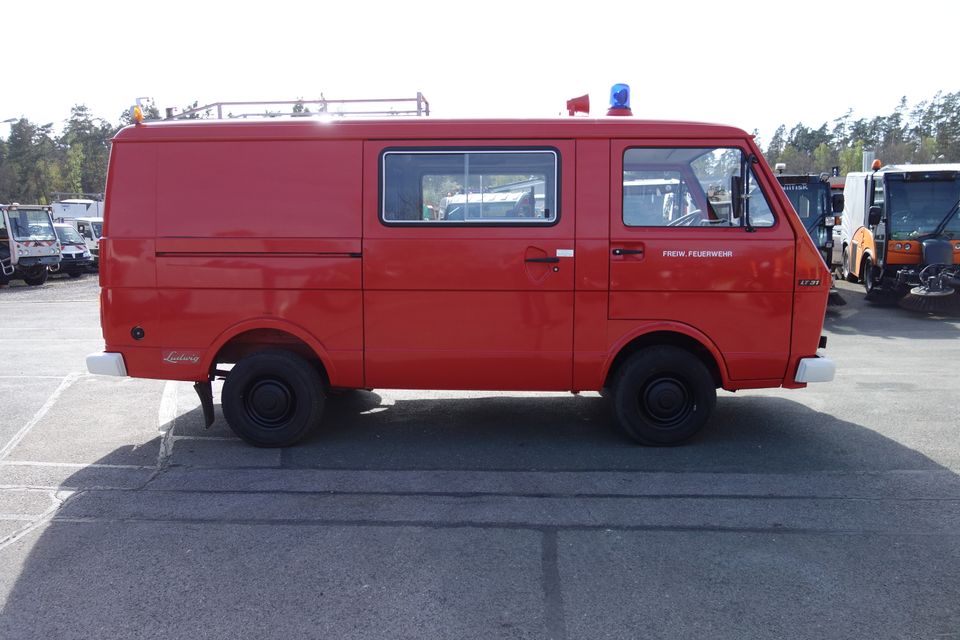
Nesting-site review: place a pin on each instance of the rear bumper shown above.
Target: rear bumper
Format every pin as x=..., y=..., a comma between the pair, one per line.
x=816, y=369
x=106, y=364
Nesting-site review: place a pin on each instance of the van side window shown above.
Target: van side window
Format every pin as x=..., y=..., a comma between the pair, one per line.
x=512, y=187
x=686, y=187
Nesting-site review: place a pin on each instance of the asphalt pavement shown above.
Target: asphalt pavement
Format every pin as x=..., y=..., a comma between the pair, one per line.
x=828, y=512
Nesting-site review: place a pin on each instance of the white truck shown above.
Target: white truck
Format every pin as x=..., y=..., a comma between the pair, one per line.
x=70, y=208
x=28, y=243
x=86, y=216
x=91, y=230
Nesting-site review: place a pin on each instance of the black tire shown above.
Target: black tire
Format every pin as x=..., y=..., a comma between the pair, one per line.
x=876, y=294
x=273, y=398
x=74, y=274
x=663, y=395
x=37, y=279
x=868, y=276
x=845, y=272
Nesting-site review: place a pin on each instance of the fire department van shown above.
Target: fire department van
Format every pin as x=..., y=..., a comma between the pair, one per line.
x=318, y=255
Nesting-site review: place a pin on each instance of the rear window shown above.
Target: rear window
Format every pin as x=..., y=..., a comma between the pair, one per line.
x=441, y=187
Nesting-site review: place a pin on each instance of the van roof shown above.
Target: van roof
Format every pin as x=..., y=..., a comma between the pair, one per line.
x=423, y=128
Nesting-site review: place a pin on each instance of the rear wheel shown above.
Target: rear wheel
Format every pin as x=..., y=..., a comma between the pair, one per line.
x=273, y=398
x=74, y=274
x=663, y=395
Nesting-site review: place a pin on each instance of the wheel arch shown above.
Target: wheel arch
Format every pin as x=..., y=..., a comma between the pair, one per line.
x=673, y=334
x=257, y=334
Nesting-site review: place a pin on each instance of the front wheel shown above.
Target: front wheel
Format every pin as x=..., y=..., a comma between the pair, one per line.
x=663, y=396
x=273, y=398
x=37, y=278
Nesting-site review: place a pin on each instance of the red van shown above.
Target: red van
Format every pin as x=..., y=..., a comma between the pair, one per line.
x=440, y=254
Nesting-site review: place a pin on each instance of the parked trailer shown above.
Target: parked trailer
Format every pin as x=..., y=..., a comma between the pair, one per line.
x=300, y=253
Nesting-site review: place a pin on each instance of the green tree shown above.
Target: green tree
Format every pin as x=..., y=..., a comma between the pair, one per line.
x=86, y=143
x=31, y=169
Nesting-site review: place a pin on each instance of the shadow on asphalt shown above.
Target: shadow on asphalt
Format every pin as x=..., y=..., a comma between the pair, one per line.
x=860, y=318
x=746, y=434
x=113, y=578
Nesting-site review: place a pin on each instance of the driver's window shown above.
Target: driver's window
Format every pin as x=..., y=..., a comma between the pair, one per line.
x=678, y=186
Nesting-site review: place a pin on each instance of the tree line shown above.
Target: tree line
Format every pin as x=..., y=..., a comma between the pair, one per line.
x=928, y=132
x=35, y=163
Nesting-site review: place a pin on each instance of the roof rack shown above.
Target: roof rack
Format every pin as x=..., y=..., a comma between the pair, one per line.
x=307, y=108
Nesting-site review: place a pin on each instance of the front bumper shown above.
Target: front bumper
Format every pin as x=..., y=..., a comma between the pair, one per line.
x=25, y=262
x=68, y=262
x=816, y=369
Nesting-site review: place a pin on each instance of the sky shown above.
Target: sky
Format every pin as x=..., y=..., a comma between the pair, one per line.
x=754, y=65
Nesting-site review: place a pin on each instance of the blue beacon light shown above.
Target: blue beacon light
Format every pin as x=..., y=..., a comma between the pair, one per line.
x=619, y=101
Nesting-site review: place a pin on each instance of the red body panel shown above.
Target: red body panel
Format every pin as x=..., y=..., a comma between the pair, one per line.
x=220, y=235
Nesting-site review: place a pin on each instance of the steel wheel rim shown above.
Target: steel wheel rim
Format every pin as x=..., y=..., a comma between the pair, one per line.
x=269, y=403
x=666, y=401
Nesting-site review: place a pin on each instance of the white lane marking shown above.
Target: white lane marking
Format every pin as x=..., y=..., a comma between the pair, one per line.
x=38, y=416
x=69, y=465
x=60, y=498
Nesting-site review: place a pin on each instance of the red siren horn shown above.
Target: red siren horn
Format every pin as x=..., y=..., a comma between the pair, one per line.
x=580, y=104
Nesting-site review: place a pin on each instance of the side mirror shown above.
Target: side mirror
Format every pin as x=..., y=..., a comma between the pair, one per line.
x=736, y=197
x=873, y=217
x=837, y=201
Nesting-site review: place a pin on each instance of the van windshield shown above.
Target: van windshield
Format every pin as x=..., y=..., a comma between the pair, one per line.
x=30, y=224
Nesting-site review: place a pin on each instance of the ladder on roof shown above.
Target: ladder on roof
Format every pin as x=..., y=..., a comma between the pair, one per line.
x=373, y=107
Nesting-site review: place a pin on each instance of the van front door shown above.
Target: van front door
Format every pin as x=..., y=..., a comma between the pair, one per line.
x=468, y=265
x=680, y=253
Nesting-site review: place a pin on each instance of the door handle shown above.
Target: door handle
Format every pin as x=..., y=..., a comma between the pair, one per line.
x=544, y=260
x=627, y=252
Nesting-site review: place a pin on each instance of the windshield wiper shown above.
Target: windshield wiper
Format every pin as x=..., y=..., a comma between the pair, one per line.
x=946, y=220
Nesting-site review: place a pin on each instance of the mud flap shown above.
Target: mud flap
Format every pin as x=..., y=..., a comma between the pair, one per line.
x=205, y=393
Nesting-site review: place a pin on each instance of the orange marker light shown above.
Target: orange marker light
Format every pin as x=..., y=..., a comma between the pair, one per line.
x=876, y=164
x=136, y=114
